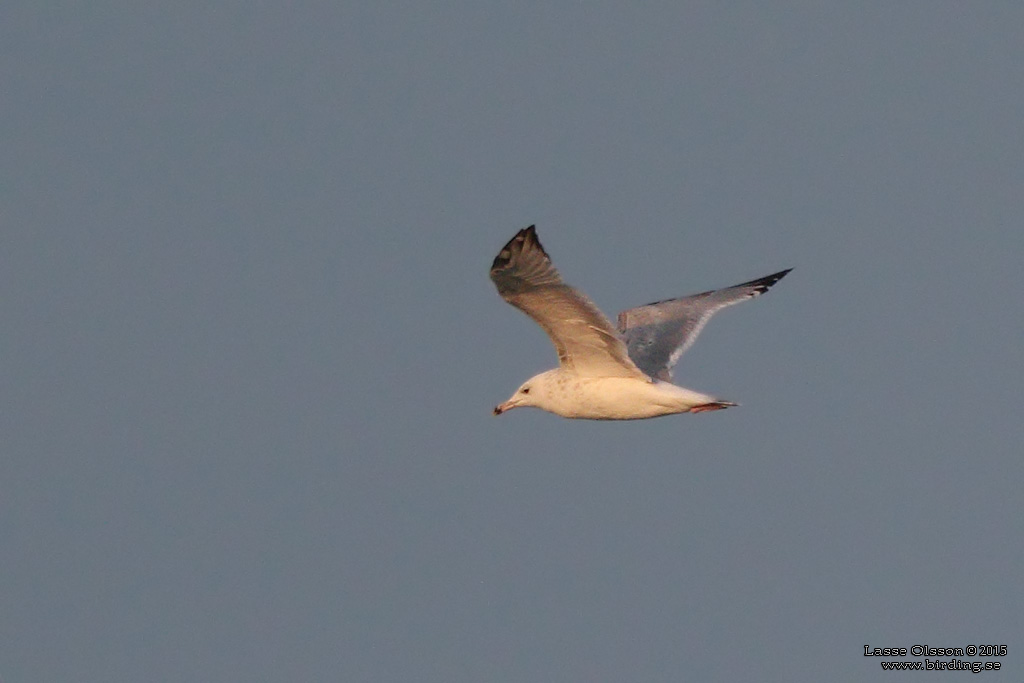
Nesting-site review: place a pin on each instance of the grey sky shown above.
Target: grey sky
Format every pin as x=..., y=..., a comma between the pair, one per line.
x=251, y=348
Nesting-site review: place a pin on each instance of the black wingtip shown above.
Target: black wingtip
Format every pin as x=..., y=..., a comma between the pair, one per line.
x=525, y=237
x=762, y=284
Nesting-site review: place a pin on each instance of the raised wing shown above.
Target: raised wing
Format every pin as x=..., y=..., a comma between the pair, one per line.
x=586, y=342
x=657, y=334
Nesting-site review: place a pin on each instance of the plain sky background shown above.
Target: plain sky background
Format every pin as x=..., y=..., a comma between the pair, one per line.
x=250, y=348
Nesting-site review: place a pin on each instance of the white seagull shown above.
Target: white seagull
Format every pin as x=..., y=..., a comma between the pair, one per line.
x=604, y=373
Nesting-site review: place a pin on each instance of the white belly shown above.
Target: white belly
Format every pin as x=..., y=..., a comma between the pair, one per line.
x=621, y=398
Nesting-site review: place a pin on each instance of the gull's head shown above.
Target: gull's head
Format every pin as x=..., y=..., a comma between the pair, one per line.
x=533, y=393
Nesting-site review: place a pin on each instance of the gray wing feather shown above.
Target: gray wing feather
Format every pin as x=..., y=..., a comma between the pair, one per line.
x=657, y=334
x=584, y=338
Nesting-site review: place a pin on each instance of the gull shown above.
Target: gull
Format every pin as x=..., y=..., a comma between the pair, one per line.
x=604, y=373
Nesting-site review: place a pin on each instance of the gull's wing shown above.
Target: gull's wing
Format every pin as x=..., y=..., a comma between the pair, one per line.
x=657, y=334
x=586, y=342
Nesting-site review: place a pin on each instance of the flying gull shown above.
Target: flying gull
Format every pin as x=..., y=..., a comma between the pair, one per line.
x=604, y=373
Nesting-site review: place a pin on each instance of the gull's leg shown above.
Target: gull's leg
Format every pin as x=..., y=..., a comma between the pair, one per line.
x=715, y=405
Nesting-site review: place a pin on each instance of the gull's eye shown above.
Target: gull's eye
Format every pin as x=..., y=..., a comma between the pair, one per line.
x=526, y=390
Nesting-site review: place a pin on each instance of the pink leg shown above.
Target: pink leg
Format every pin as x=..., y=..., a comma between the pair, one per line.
x=705, y=407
